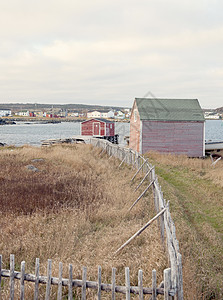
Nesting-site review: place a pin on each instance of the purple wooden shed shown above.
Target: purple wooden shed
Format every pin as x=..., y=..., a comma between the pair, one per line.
x=167, y=126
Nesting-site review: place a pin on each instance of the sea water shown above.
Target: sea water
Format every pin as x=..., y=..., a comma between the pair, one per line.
x=33, y=133
x=23, y=133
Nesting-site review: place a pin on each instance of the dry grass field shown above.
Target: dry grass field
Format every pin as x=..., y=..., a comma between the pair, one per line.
x=74, y=210
x=195, y=191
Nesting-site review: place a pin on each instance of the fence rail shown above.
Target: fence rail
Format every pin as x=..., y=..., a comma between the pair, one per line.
x=83, y=284
x=165, y=222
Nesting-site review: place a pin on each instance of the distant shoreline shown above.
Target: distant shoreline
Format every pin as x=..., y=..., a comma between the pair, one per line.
x=13, y=120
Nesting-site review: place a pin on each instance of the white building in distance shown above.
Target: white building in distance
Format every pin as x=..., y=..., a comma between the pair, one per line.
x=5, y=112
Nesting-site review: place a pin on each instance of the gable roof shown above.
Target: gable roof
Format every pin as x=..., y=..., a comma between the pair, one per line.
x=169, y=109
x=98, y=119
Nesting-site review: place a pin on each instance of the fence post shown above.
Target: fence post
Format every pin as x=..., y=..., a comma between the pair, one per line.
x=22, y=281
x=99, y=282
x=49, y=276
x=36, y=293
x=140, y=284
x=84, y=279
x=0, y=276
x=127, y=283
x=154, y=294
x=180, y=277
x=59, y=292
x=12, y=279
x=167, y=283
x=113, y=283
x=70, y=284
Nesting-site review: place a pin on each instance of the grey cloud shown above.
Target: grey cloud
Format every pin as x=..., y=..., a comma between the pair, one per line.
x=67, y=51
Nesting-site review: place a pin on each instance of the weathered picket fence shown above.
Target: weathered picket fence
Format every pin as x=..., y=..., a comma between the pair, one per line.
x=165, y=222
x=163, y=289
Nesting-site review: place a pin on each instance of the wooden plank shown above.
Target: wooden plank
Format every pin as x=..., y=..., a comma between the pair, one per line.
x=143, y=193
x=84, y=279
x=12, y=280
x=144, y=178
x=59, y=291
x=22, y=281
x=36, y=291
x=167, y=283
x=140, y=284
x=113, y=283
x=127, y=283
x=154, y=285
x=99, y=283
x=141, y=230
x=49, y=276
x=70, y=285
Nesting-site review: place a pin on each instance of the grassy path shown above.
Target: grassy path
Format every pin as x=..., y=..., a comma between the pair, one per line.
x=196, y=204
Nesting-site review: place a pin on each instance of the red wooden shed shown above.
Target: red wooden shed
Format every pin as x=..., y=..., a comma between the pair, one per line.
x=98, y=127
x=168, y=126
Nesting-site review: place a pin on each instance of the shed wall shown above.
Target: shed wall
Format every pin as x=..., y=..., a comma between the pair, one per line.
x=97, y=127
x=173, y=137
x=134, y=140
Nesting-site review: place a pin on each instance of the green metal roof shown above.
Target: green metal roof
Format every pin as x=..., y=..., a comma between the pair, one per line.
x=169, y=109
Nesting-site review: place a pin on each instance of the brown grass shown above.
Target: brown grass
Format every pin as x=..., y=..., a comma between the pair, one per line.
x=74, y=210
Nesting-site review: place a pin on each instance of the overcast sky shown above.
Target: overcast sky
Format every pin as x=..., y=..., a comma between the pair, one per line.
x=109, y=52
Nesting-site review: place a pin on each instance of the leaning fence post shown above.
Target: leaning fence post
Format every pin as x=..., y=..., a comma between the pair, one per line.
x=22, y=281
x=143, y=193
x=140, y=284
x=49, y=276
x=59, y=292
x=139, y=169
x=167, y=283
x=127, y=283
x=113, y=283
x=12, y=279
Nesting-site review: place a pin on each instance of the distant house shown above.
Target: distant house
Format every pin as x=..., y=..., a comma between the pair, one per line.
x=101, y=114
x=38, y=113
x=167, y=126
x=212, y=115
x=119, y=115
x=94, y=114
x=5, y=112
x=73, y=114
x=109, y=114
x=98, y=127
x=23, y=113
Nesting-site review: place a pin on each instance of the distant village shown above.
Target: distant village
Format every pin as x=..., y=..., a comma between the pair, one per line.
x=70, y=114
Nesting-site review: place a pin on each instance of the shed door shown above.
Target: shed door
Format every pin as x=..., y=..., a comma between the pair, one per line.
x=96, y=128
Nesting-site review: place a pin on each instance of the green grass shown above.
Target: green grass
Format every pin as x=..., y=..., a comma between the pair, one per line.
x=197, y=208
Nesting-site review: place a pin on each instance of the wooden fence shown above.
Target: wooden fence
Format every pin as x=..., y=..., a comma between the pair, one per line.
x=163, y=289
x=165, y=222
x=171, y=286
